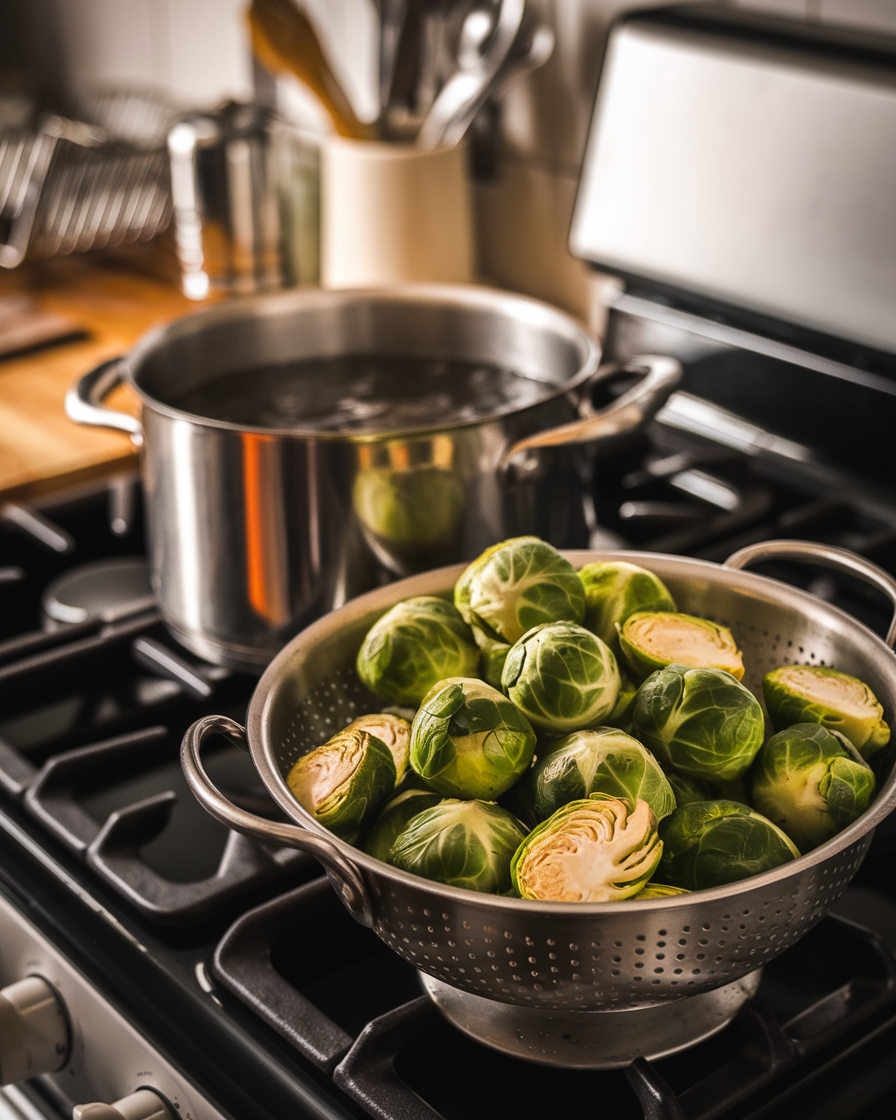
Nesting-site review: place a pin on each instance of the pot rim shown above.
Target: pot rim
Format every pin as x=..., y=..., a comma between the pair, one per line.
x=522, y=307
x=379, y=873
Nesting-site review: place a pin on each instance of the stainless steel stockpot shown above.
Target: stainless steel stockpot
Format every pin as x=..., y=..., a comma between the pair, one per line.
x=254, y=532
x=506, y=969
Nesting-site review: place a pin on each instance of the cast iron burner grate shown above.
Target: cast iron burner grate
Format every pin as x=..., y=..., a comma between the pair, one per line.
x=347, y=1004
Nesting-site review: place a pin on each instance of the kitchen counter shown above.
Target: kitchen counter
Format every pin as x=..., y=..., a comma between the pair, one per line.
x=110, y=305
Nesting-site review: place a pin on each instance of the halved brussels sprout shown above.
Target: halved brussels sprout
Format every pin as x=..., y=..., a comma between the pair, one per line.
x=650, y=640
x=819, y=694
x=701, y=722
x=462, y=843
x=467, y=740
x=614, y=590
x=811, y=782
x=659, y=890
x=394, y=818
x=415, y=644
x=561, y=676
x=709, y=843
x=516, y=585
x=600, y=849
x=604, y=760
x=394, y=731
x=343, y=782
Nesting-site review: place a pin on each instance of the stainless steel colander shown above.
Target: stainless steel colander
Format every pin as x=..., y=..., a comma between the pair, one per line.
x=569, y=957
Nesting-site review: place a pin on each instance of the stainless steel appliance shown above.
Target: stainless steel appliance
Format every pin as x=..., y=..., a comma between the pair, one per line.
x=238, y=967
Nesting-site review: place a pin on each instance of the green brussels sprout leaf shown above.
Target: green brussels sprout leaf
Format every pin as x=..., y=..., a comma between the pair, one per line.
x=417, y=643
x=462, y=843
x=659, y=890
x=562, y=677
x=701, y=722
x=710, y=843
x=516, y=585
x=467, y=740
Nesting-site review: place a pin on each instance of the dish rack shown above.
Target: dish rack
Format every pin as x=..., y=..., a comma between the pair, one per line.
x=96, y=182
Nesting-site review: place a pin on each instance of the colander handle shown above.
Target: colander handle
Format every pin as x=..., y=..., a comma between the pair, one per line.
x=344, y=876
x=841, y=559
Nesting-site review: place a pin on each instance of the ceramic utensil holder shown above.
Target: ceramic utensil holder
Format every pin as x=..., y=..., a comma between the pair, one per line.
x=392, y=214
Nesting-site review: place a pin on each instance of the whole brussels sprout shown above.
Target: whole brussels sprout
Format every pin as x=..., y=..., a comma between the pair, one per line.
x=604, y=760
x=650, y=640
x=709, y=843
x=659, y=890
x=417, y=643
x=621, y=715
x=701, y=722
x=394, y=731
x=614, y=590
x=462, y=843
x=467, y=740
x=561, y=676
x=811, y=782
x=492, y=655
x=688, y=789
x=819, y=694
x=343, y=782
x=516, y=585
x=600, y=849
x=394, y=818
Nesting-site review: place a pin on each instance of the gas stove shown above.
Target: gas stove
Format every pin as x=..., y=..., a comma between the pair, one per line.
x=225, y=977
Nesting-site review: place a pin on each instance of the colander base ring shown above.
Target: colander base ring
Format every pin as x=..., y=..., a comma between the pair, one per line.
x=591, y=1039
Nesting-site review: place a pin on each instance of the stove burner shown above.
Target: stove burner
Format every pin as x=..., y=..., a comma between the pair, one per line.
x=104, y=590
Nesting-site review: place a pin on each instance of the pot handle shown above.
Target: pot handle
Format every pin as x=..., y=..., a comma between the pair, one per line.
x=345, y=877
x=840, y=559
x=661, y=374
x=83, y=401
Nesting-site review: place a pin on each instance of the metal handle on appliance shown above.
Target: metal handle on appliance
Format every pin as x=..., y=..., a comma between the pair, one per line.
x=840, y=559
x=661, y=375
x=83, y=401
x=344, y=875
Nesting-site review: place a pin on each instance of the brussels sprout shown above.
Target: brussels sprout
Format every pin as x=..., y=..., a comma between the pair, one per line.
x=462, y=843
x=394, y=731
x=819, y=694
x=561, y=676
x=621, y=714
x=605, y=761
x=811, y=782
x=344, y=782
x=414, y=645
x=600, y=849
x=516, y=585
x=492, y=655
x=709, y=843
x=394, y=818
x=614, y=590
x=688, y=789
x=701, y=722
x=659, y=890
x=650, y=640
x=467, y=740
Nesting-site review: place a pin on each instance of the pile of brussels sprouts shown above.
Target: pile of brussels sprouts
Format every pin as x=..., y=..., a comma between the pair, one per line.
x=568, y=735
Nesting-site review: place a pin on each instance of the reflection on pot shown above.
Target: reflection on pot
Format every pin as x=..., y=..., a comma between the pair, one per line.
x=410, y=502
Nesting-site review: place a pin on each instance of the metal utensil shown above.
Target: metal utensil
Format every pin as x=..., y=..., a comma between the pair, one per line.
x=463, y=94
x=543, y=977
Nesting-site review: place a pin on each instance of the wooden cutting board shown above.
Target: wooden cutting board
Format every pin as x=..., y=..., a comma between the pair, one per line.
x=41, y=450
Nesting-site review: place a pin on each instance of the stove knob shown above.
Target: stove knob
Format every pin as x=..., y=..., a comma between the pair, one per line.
x=142, y=1105
x=33, y=1030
